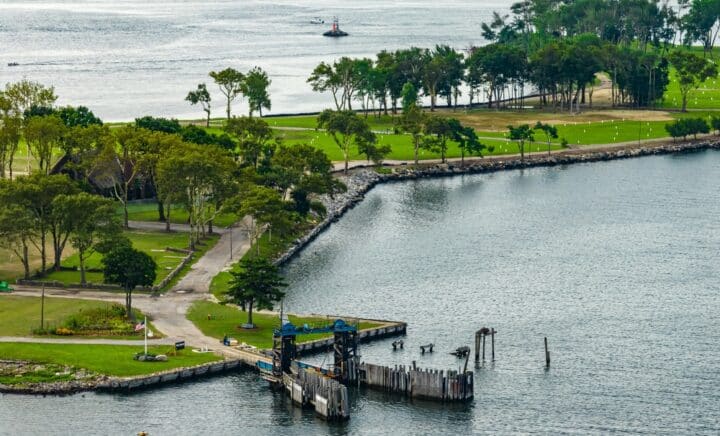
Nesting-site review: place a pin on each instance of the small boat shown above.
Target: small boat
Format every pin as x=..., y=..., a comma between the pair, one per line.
x=13, y=64
x=335, y=31
x=317, y=20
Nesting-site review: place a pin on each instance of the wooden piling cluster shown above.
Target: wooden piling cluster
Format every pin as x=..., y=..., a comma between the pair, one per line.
x=480, y=336
x=328, y=397
x=419, y=383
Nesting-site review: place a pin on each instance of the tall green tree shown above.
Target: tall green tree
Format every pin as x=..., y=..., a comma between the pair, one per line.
x=413, y=122
x=256, y=139
x=438, y=130
x=201, y=96
x=691, y=70
x=255, y=88
x=256, y=284
x=346, y=128
x=466, y=138
x=90, y=221
x=79, y=116
x=10, y=135
x=521, y=134
x=44, y=135
x=37, y=194
x=200, y=178
x=128, y=268
x=231, y=82
x=549, y=130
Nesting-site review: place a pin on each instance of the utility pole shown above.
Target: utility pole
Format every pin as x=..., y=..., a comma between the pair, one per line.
x=42, y=309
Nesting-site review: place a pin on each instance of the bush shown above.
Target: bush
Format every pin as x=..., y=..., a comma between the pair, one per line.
x=62, y=331
x=158, y=124
x=687, y=126
x=109, y=320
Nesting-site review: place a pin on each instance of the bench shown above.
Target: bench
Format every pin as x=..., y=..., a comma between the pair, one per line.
x=5, y=287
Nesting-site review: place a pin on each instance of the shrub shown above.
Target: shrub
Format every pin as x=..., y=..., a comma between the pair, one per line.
x=62, y=331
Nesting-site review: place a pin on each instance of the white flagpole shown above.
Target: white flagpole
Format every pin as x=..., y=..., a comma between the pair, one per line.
x=145, y=326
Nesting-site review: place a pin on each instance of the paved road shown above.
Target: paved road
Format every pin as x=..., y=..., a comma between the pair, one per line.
x=168, y=311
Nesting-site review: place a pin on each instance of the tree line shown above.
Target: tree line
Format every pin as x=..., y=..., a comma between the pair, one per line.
x=556, y=49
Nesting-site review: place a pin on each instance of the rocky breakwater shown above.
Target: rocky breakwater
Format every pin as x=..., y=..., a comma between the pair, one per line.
x=360, y=181
x=21, y=377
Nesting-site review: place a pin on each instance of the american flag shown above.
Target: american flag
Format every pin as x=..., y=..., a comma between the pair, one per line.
x=139, y=326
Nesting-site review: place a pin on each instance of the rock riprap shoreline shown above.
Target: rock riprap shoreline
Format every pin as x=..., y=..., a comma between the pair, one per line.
x=360, y=181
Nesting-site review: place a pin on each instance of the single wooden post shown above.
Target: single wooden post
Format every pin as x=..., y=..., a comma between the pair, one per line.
x=477, y=346
x=492, y=343
x=483, y=346
x=547, y=355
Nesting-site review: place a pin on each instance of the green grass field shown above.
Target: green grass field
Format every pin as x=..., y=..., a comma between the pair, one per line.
x=113, y=360
x=178, y=215
x=20, y=315
x=152, y=243
x=226, y=320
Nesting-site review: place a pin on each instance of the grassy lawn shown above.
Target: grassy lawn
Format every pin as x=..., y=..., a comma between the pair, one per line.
x=20, y=315
x=226, y=320
x=113, y=360
x=152, y=243
x=178, y=214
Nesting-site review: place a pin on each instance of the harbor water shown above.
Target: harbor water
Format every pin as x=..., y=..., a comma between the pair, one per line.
x=128, y=58
x=616, y=263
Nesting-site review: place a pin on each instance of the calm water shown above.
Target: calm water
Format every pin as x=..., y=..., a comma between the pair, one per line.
x=617, y=263
x=127, y=58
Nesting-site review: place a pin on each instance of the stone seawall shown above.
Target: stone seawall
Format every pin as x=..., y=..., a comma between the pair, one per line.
x=359, y=182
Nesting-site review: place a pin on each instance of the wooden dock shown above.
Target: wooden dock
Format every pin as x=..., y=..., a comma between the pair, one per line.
x=418, y=383
x=328, y=397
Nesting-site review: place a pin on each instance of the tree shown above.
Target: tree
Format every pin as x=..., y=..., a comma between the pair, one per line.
x=43, y=135
x=691, y=70
x=521, y=134
x=715, y=124
x=466, y=139
x=78, y=116
x=255, y=87
x=25, y=94
x=257, y=283
x=199, y=177
x=16, y=230
x=128, y=268
x=231, y=82
x=409, y=96
x=201, y=96
x=90, y=221
x=300, y=170
x=439, y=130
x=346, y=128
x=37, y=194
x=549, y=131
x=154, y=124
x=119, y=165
x=413, y=122
x=265, y=207
x=323, y=79
x=10, y=135
x=255, y=138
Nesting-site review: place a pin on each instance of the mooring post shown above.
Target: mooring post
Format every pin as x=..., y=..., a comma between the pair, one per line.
x=547, y=355
x=492, y=343
x=477, y=346
x=483, y=345
x=414, y=366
